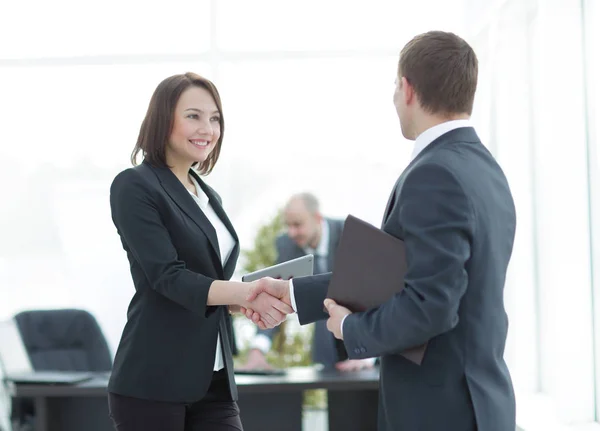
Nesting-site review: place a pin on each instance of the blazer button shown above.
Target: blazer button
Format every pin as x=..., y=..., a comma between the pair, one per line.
x=363, y=350
x=357, y=350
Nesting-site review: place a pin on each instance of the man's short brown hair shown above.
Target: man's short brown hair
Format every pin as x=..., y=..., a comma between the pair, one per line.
x=442, y=68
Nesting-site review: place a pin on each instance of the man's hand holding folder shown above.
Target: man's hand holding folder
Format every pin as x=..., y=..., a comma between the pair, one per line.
x=369, y=269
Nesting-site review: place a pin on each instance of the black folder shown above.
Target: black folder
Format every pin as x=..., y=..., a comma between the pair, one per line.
x=369, y=269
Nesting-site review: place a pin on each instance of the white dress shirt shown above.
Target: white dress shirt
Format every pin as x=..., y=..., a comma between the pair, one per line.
x=226, y=244
x=323, y=246
x=431, y=134
x=422, y=141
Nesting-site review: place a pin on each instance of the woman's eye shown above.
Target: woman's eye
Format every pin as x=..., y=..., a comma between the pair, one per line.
x=193, y=116
x=216, y=119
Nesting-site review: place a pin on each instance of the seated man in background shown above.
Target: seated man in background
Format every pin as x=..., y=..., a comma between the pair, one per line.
x=308, y=232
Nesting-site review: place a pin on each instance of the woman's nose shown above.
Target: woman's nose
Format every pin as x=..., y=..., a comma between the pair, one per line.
x=205, y=126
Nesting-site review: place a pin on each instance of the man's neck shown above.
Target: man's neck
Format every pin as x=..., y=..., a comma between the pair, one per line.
x=314, y=244
x=429, y=121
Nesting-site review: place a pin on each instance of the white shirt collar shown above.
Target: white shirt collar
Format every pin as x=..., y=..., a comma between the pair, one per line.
x=431, y=134
x=323, y=247
x=202, y=198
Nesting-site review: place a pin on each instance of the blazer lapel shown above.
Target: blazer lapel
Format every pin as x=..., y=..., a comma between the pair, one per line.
x=396, y=191
x=185, y=202
x=229, y=266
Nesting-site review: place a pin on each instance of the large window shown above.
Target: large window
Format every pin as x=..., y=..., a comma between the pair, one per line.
x=540, y=136
x=307, y=91
x=591, y=36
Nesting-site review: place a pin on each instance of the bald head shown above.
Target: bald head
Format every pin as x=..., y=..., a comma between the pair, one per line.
x=302, y=218
x=307, y=200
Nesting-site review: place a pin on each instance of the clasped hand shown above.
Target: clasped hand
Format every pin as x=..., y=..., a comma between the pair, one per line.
x=268, y=302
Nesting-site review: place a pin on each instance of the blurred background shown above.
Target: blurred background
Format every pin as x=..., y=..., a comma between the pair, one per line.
x=307, y=94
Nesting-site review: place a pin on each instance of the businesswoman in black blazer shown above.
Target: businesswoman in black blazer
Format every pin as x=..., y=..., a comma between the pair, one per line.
x=173, y=369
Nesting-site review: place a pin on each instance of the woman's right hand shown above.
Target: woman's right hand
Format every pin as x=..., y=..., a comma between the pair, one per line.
x=272, y=307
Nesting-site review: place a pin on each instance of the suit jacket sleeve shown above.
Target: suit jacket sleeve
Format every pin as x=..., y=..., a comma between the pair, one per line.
x=438, y=223
x=144, y=235
x=310, y=292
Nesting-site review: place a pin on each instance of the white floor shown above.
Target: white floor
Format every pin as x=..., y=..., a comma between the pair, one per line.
x=314, y=420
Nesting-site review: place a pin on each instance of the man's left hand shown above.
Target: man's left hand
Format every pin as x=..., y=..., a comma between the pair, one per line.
x=355, y=364
x=336, y=314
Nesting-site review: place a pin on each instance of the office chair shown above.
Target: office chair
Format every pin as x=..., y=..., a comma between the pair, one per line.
x=59, y=340
x=64, y=340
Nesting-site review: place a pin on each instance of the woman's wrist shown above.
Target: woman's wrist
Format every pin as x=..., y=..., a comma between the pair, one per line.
x=241, y=293
x=228, y=293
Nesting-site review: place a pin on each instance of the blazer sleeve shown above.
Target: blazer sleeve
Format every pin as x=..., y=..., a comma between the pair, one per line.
x=143, y=234
x=438, y=223
x=310, y=292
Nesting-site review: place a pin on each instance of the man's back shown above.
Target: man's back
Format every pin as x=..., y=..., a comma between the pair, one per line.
x=465, y=365
x=453, y=208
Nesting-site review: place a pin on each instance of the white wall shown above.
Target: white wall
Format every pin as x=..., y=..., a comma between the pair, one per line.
x=307, y=90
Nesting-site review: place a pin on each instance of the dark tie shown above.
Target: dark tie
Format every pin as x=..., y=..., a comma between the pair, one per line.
x=320, y=266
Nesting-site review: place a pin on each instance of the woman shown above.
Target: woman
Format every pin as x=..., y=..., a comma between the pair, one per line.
x=173, y=368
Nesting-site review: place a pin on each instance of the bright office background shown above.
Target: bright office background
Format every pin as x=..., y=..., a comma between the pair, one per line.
x=307, y=92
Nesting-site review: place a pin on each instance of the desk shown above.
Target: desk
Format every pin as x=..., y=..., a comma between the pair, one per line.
x=352, y=399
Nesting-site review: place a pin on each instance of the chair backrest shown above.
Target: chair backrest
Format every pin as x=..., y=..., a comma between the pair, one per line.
x=64, y=340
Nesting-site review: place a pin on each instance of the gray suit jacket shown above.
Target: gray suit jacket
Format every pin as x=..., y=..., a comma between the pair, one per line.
x=453, y=208
x=323, y=346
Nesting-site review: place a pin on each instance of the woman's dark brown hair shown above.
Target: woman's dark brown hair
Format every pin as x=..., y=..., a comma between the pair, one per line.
x=158, y=122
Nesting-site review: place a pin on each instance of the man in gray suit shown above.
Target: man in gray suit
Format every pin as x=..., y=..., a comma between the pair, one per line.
x=454, y=210
x=308, y=232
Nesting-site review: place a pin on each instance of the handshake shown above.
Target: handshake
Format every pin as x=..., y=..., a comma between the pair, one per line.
x=267, y=302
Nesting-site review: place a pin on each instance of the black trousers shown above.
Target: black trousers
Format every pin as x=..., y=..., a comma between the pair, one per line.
x=215, y=412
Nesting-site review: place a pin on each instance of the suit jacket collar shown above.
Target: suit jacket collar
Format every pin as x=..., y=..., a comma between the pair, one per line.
x=463, y=134
x=185, y=202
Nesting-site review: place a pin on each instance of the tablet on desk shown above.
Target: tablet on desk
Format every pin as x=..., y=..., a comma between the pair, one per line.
x=298, y=267
x=49, y=377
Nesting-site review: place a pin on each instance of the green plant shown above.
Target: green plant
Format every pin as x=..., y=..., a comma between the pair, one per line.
x=263, y=253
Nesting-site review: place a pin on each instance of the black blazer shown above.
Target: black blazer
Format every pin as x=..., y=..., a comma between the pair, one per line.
x=167, y=349
x=453, y=208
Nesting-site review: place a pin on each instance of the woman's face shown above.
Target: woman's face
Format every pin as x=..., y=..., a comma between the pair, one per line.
x=196, y=127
